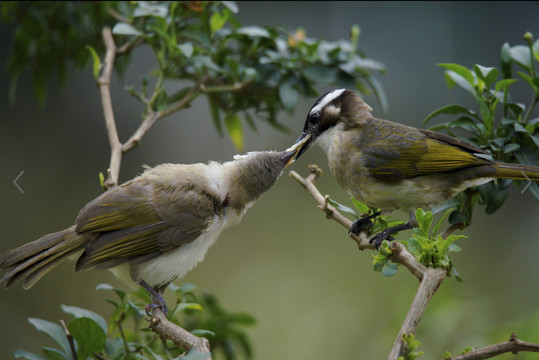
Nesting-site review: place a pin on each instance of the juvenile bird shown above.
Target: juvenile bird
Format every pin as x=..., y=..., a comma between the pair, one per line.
x=392, y=166
x=156, y=227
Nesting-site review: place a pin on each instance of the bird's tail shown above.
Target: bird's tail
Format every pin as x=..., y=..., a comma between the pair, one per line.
x=517, y=171
x=33, y=260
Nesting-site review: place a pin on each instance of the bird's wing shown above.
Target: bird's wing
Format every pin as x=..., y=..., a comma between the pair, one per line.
x=138, y=221
x=394, y=152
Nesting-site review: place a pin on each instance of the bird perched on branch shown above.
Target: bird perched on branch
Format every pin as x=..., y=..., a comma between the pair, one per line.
x=156, y=227
x=391, y=166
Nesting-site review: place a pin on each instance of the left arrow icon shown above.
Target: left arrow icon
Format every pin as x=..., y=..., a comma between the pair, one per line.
x=15, y=182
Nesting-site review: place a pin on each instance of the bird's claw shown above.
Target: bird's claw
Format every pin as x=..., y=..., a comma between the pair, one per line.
x=150, y=307
x=360, y=225
x=377, y=239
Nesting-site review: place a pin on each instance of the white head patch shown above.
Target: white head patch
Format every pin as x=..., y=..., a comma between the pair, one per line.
x=326, y=100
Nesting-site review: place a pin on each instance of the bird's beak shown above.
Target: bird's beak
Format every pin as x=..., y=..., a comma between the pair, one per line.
x=302, y=144
x=288, y=157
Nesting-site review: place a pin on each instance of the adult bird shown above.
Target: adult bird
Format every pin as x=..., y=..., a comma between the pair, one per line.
x=156, y=227
x=392, y=166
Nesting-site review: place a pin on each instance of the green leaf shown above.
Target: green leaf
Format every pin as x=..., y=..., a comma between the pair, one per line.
x=414, y=246
x=89, y=335
x=187, y=306
x=125, y=29
x=288, y=96
x=52, y=353
x=194, y=354
x=530, y=80
x=451, y=110
x=460, y=70
x=97, y=62
x=235, y=130
x=424, y=219
x=504, y=84
x=343, y=208
x=253, y=31
x=320, y=74
x=535, y=139
x=506, y=61
x=520, y=54
x=121, y=294
x=55, y=331
x=27, y=355
x=457, y=217
x=197, y=35
x=363, y=209
x=218, y=20
x=509, y=148
x=487, y=74
x=147, y=8
x=186, y=48
x=78, y=312
x=216, y=116
x=250, y=121
x=389, y=269
x=486, y=115
x=519, y=128
x=201, y=332
x=231, y=5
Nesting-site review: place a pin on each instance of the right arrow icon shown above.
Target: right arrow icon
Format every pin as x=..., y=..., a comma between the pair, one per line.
x=528, y=184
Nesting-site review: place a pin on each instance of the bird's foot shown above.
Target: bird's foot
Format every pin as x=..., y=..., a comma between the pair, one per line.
x=155, y=305
x=377, y=239
x=363, y=224
x=157, y=301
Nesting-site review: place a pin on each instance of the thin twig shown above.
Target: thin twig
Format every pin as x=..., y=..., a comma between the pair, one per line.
x=399, y=255
x=70, y=340
x=331, y=213
x=181, y=337
x=514, y=345
x=104, y=88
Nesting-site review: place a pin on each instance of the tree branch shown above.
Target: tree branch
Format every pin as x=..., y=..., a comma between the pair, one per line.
x=432, y=279
x=514, y=345
x=104, y=88
x=181, y=337
x=399, y=255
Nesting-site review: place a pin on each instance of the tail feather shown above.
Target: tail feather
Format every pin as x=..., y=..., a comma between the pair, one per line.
x=517, y=171
x=33, y=260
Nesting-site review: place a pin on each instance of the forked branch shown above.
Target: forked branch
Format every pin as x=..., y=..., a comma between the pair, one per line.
x=430, y=280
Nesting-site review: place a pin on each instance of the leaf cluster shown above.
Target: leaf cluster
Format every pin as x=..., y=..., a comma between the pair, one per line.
x=500, y=124
x=126, y=335
x=199, y=48
x=49, y=37
x=427, y=245
x=411, y=346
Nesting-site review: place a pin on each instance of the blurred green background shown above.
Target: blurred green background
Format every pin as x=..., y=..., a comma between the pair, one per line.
x=314, y=295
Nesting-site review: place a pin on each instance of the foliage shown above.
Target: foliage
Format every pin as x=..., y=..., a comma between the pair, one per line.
x=126, y=335
x=501, y=125
x=411, y=345
x=199, y=47
x=428, y=246
x=50, y=37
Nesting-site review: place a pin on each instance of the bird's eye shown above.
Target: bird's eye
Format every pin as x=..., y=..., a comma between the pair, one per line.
x=315, y=116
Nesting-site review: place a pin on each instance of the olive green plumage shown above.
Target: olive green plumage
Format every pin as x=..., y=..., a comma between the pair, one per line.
x=393, y=166
x=155, y=227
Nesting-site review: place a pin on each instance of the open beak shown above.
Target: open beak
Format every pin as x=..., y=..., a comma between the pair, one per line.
x=288, y=157
x=302, y=144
